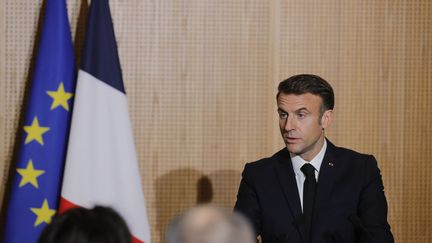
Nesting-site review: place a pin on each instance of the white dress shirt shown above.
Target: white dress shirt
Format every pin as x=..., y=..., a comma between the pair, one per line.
x=298, y=162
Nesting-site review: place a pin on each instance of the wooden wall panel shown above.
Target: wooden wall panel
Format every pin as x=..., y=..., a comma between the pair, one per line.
x=201, y=78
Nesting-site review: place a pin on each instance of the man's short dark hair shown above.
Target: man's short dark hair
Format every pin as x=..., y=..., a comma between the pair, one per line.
x=308, y=83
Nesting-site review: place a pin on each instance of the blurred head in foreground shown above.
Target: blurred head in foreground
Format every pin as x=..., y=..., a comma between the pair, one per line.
x=209, y=224
x=81, y=225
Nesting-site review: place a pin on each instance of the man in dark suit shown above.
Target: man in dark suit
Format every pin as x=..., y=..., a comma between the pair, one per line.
x=312, y=191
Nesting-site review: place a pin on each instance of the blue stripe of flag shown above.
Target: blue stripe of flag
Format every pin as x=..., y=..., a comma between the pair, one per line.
x=100, y=57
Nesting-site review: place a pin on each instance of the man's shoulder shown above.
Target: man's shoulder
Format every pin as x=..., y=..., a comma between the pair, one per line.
x=348, y=154
x=268, y=162
x=342, y=151
x=264, y=169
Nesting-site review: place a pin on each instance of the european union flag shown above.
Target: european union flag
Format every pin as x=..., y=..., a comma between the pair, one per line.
x=38, y=175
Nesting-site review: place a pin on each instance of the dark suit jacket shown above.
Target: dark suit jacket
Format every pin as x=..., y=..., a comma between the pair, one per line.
x=350, y=205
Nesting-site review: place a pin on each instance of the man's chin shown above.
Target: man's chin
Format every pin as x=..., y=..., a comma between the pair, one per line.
x=293, y=148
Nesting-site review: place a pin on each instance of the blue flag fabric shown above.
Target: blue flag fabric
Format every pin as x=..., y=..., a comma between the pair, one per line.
x=100, y=57
x=38, y=175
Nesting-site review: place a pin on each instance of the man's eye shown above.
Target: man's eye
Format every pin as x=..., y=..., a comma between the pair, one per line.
x=301, y=115
x=283, y=115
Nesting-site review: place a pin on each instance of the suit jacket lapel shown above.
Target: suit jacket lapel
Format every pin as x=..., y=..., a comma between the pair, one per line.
x=286, y=177
x=327, y=176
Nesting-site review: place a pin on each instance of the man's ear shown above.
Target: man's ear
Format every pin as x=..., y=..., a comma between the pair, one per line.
x=326, y=118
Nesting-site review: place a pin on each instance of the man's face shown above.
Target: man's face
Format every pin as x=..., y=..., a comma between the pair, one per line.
x=302, y=124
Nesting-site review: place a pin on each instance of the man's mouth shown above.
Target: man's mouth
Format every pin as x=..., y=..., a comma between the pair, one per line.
x=291, y=139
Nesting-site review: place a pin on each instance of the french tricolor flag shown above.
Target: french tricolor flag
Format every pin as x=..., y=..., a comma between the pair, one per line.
x=101, y=164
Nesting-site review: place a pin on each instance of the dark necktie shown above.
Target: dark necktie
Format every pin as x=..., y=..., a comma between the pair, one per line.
x=309, y=188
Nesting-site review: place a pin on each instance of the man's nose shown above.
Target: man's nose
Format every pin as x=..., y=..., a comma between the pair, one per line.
x=289, y=124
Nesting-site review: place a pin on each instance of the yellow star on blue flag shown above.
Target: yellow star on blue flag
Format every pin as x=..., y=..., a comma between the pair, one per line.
x=35, y=132
x=43, y=214
x=60, y=97
x=29, y=175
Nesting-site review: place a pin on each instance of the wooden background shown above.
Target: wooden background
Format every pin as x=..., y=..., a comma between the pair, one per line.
x=201, y=79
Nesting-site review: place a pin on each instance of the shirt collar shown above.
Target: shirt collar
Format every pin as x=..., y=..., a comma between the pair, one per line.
x=316, y=162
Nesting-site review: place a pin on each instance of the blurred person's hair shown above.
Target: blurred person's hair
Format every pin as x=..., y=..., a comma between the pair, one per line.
x=209, y=224
x=81, y=225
